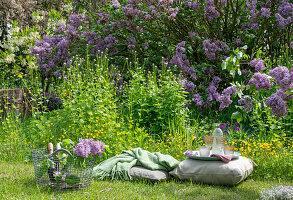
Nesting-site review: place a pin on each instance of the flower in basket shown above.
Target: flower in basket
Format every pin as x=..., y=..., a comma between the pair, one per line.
x=87, y=146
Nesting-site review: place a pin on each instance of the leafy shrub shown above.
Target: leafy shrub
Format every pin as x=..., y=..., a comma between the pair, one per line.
x=153, y=103
x=49, y=101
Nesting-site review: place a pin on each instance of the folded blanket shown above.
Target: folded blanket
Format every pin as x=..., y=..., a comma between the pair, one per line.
x=119, y=166
x=224, y=158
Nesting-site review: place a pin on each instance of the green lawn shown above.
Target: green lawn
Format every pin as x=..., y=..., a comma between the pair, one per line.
x=17, y=182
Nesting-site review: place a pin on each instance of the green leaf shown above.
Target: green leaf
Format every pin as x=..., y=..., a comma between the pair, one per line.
x=224, y=65
x=239, y=72
x=237, y=115
x=232, y=72
x=239, y=55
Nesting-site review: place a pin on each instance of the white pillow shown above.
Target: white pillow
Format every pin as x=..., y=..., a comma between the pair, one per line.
x=214, y=172
x=143, y=173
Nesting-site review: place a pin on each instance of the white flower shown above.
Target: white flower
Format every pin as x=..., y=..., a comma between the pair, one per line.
x=10, y=58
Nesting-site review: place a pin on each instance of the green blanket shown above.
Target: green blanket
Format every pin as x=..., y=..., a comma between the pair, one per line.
x=118, y=167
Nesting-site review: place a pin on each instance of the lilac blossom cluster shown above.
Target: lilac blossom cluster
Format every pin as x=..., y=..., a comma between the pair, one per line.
x=277, y=104
x=131, y=43
x=265, y=10
x=99, y=44
x=87, y=146
x=189, y=86
x=210, y=11
x=258, y=64
x=237, y=42
x=180, y=59
x=282, y=77
x=224, y=99
x=190, y=153
x=193, y=5
x=277, y=101
x=285, y=15
x=261, y=81
x=116, y=3
x=212, y=89
x=212, y=48
x=251, y=4
x=52, y=53
x=248, y=103
x=196, y=98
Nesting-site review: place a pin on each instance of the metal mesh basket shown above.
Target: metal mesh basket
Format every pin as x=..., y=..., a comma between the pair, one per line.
x=61, y=171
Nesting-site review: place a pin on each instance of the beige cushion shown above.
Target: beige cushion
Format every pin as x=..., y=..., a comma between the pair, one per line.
x=214, y=172
x=143, y=173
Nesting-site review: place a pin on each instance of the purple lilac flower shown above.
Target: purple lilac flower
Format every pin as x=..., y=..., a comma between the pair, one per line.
x=97, y=147
x=192, y=35
x=148, y=17
x=212, y=89
x=254, y=13
x=180, y=59
x=286, y=8
x=131, y=43
x=283, y=22
x=248, y=103
x=277, y=104
x=261, y=81
x=210, y=70
x=292, y=45
x=212, y=93
x=282, y=77
x=245, y=72
x=224, y=99
x=283, y=95
x=216, y=80
x=258, y=64
x=210, y=10
x=196, y=98
x=75, y=20
x=230, y=90
x=145, y=45
x=58, y=74
x=194, y=5
x=190, y=86
x=212, y=48
x=116, y=3
x=265, y=12
x=131, y=11
x=190, y=153
x=87, y=146
x=237, y=43
x=172, y=12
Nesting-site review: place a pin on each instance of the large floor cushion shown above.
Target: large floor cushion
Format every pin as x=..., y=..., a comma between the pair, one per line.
x=214, y=172
x=143, y=173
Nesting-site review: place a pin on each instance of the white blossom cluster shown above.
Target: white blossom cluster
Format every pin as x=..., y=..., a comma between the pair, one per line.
x=278, y=193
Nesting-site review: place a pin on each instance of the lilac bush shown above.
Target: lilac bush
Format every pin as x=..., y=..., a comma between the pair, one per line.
x=157, y=30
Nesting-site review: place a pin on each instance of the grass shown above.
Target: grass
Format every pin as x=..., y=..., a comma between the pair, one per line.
x=17, y=182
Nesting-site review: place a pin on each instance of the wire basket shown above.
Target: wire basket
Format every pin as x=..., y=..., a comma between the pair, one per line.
x=60, y=170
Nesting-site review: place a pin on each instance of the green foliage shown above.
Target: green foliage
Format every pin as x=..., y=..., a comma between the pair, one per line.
x=154, y=102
